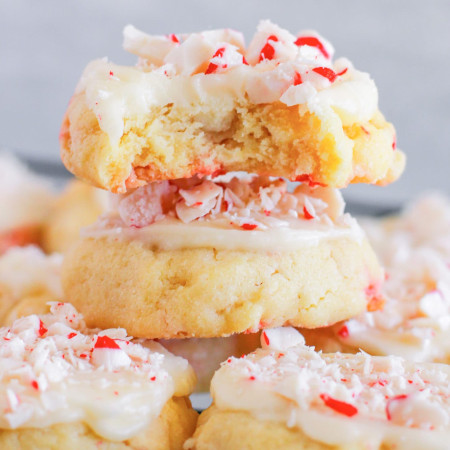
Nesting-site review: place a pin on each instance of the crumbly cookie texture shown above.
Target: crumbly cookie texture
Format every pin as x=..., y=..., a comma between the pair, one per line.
x=204, y=103
x=415, y=320
x=78, y=205
x=286, y=395
x=98, y=386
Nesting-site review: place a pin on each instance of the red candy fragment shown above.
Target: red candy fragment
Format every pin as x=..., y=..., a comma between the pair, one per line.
x=307, y=214
x=249, y=226
x=340, y=407
x=174, y=38
x=268, y=52
x=394, y=143
x=307, y=178
x=343, y=332
x=42, y=329
x=365, y=130
x=35, y=385
x=213, y=67
x=297, y=79
x=326, y=72
x=342, y=72
x=312, y=42
x=71, y=335
x=106, y=342
x=266, y=338
x=390, y=401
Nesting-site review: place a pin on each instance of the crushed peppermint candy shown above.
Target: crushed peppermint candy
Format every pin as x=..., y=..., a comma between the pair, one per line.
x=414, y=321
x=245, y=201
x=296, y=384
x=217, y=65
x=54, y=370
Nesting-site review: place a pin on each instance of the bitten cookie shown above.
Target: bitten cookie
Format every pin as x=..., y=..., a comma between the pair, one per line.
x=203, y=103
x=288, y=396
x=64, y=386
x=203, y=258
x=414, y=321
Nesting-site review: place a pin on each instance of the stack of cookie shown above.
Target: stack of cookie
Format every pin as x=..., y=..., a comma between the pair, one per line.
x=192, y=249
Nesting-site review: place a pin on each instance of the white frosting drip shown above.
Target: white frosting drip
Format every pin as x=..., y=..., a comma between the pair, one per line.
x=214, y=67
x=54, y=370
x=415, y=320
x=25, y=198
x=355, y=398
x=229, y=212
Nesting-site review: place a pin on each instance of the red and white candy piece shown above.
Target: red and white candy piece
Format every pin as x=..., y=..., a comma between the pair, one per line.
x=225, y=57
x=271, y=42
x=152, y=48
x=107, y=353
x=281, y=338
x=314, y=41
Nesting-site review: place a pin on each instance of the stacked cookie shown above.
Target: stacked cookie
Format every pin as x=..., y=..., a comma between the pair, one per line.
x=224, y=164
x=190, y=249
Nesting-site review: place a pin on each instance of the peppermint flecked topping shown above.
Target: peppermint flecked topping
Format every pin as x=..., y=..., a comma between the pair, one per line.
x=294, y=381
x=189, y=53
x=54, y=370
x=216, y=66
x=415, y=319
x=244, y=202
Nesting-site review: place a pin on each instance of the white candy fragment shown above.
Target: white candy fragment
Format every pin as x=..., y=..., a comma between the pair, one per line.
x=152, y=48
x=281, y=338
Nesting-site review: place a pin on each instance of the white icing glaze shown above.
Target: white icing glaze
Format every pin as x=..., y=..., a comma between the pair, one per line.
x=230, y=212
x=357, y=399
x=214, y=67
x=415, y=320
x=25, y=198
x=54, y=370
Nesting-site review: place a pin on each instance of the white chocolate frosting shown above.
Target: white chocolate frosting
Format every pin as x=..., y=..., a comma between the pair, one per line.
x=55, y=370
x=415, y=320
x=233, y=212
x=25, y=198
x=214, y=66
x=339, y=399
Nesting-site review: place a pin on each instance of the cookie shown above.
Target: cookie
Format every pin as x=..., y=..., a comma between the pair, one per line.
x=286, y=395
x=28, y=280
x=209, y=258
x=414, y=321
x=25, y=201
x=204, y=104
x=78, y=205
x=81, y=388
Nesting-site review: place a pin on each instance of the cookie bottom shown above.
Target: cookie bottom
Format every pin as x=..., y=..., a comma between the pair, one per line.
x=170, y=430
x=226, y=430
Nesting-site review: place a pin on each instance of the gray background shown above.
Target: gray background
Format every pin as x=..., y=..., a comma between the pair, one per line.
x=404, y=44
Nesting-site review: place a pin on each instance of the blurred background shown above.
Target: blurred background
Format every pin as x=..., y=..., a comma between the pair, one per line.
x=404, y=45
